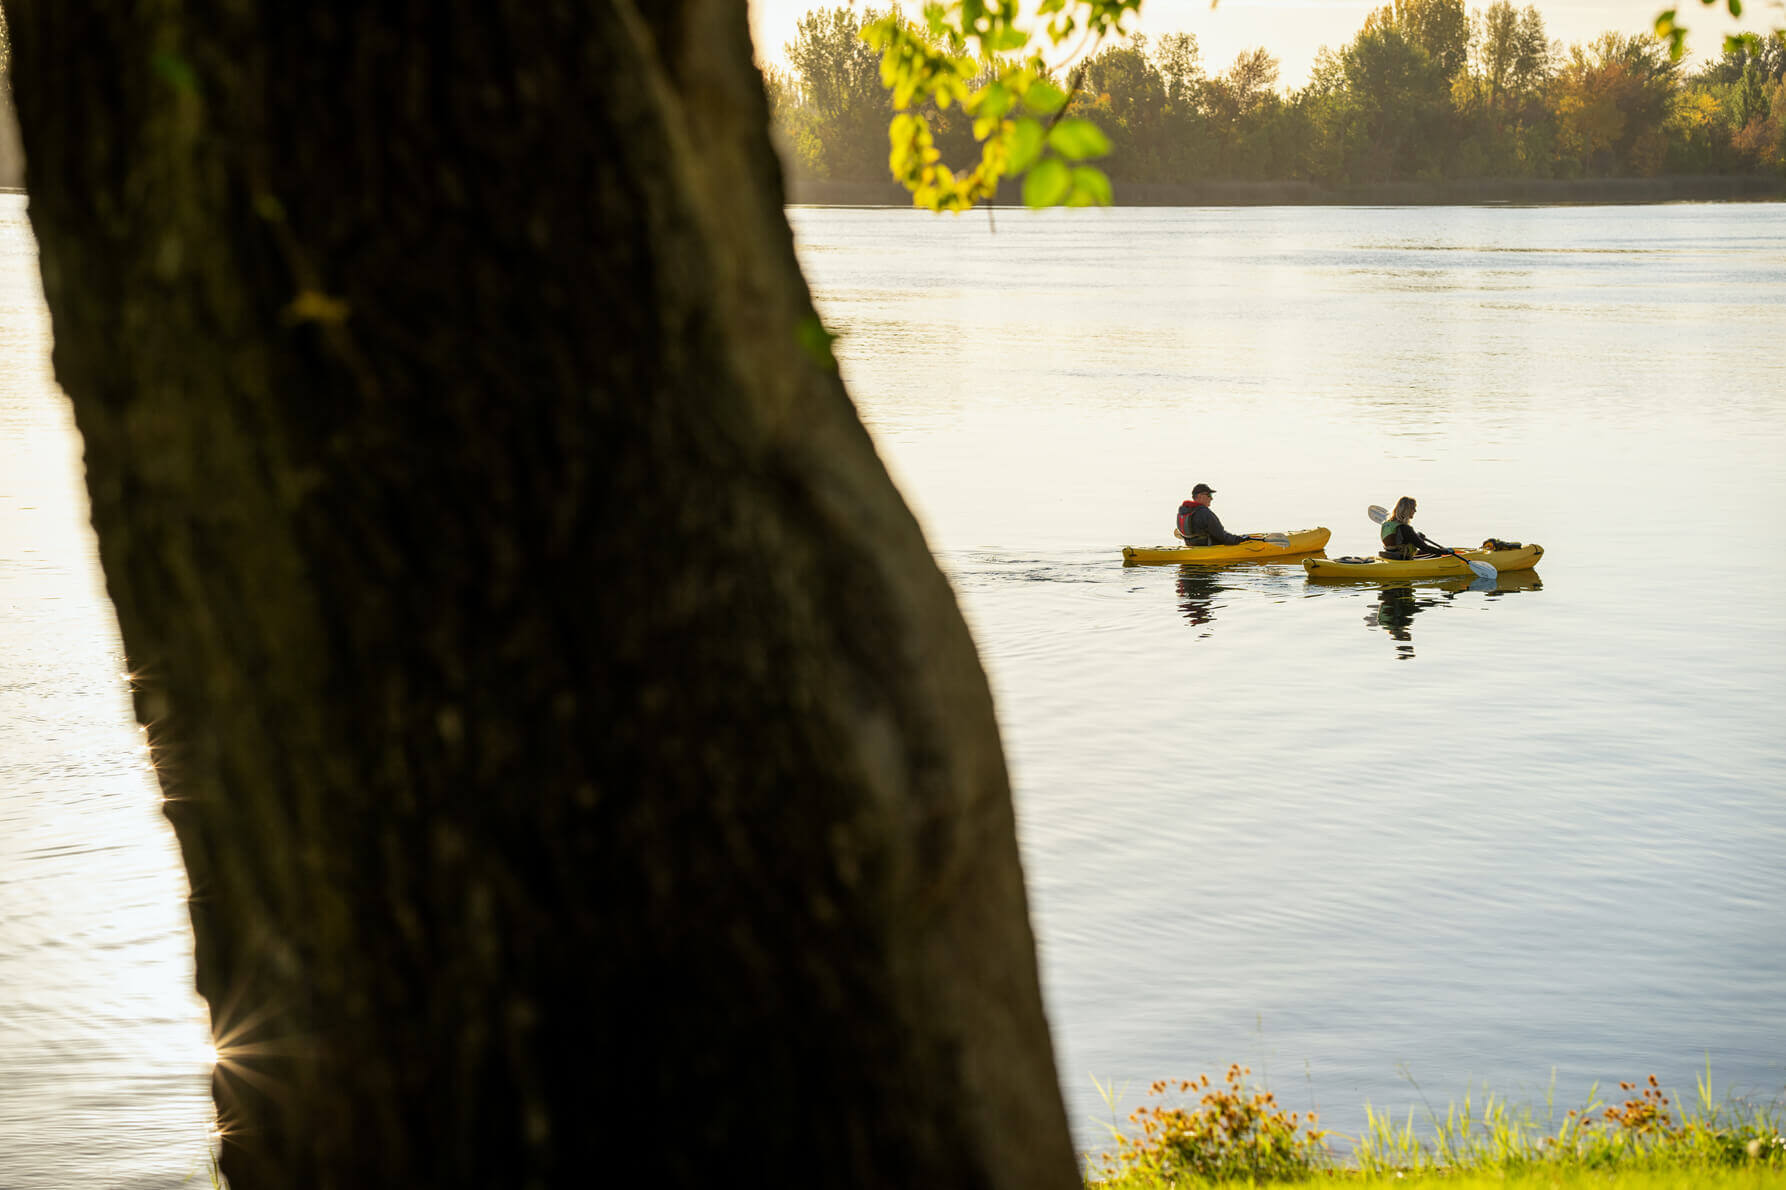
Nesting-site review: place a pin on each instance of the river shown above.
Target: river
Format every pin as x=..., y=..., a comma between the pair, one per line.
x=1381, y=845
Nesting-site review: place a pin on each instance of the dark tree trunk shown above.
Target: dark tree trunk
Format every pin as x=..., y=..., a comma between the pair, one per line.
x=582, y=769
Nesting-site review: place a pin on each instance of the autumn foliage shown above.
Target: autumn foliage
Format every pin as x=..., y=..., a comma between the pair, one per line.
x=1425, y=91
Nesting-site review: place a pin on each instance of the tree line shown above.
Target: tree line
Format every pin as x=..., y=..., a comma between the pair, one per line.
x=1425, y=91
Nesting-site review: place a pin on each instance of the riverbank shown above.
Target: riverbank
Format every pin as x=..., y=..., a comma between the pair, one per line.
x=1200, y=1132
x=1758, y=1178
x=1470, y=192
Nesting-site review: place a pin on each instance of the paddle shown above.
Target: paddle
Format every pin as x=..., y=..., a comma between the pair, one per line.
x=1379, y=514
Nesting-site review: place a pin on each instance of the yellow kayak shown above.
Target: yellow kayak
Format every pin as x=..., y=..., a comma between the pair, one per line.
x=1302, y=541
x=1374, y=569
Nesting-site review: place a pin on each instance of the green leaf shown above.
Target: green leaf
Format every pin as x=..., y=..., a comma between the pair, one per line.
x=1047, y=184
x=1078, y=139
x=1044, y=98
x=1010, y=38
x=994, y=101
x=1665, y=23
x=1027, y=139
x=1090, y=187
x=1736, y=8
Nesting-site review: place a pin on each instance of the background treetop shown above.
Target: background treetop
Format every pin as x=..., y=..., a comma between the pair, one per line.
x=1424, y=90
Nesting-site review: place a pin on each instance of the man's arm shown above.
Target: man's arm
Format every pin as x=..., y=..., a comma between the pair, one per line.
x=1208, y=522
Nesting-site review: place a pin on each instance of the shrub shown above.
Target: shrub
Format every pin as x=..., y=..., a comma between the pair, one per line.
x=1233, y=1132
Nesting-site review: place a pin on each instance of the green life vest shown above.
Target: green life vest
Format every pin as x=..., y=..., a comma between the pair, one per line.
x=1399, y=553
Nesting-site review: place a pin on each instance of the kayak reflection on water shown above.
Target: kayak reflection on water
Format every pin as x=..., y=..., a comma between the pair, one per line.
x=1198, y=588
x=1397, y=606
x=1396, y=609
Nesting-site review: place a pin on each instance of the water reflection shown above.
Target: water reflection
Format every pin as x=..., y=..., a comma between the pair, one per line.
x=1398, y=605
x=1198, y=589
x=1394, y=613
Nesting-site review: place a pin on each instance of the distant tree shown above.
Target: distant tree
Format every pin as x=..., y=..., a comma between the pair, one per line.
x=1251, y=79
x=1672, y=30
x=1510, y=55
x=1748, y=95
x=1758, y=56
x=1337, y=130
x=1726, y=117
x=1612, y=99
x=1440, y=28
x=1499, y=95
x=1699, y=132
x=1127, y=78
x=836, y=114
x=1400, y=69
x=1244, y=112
x=783, y=97
x=1125, y=93
x=1180, y=63
x=1761, y=139
x=1424, y=90
x=1401, y=100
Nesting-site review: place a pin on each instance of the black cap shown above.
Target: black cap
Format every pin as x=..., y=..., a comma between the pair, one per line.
x=1201, y=488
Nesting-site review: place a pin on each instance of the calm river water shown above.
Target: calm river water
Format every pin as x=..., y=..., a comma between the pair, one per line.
x=1358, y=839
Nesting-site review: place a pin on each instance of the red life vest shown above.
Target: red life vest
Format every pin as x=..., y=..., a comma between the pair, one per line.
x=1185, y=511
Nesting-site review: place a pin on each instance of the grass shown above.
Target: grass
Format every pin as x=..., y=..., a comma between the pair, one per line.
x=1759, y=1178
x=1233, y=1133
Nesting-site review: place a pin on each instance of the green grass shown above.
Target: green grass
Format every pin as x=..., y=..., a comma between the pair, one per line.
x=1234, y=1133
x=1769, y=1177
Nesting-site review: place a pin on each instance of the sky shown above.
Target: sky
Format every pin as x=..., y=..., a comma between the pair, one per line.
x=1294, y=30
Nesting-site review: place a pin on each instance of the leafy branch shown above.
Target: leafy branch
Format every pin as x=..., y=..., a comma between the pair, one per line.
x=978, y=54
x=1670, y=29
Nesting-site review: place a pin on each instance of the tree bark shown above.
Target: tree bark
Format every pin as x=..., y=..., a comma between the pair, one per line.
x=582, y=769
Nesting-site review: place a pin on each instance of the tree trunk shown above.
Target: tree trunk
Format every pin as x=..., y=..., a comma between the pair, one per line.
x=582, y=769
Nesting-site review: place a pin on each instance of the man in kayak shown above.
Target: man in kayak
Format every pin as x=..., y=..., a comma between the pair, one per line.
x=1401, y=540
x=1199, y=525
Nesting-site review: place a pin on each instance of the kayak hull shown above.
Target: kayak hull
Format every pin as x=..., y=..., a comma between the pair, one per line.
x=1302, y=541
x=1377, y=569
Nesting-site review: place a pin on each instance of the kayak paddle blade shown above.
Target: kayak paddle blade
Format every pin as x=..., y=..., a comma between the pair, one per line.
x=1377, y=513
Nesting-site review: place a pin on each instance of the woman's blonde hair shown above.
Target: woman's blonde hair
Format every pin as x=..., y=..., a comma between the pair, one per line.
x=1404, y=510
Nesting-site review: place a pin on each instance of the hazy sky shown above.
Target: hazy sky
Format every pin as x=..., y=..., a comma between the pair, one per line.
x=1294, y=29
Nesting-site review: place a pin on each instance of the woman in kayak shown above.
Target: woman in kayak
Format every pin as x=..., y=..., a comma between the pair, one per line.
x=1199, y=525
x=1401, y=540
